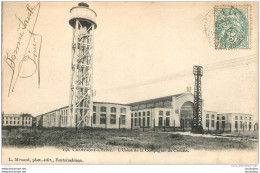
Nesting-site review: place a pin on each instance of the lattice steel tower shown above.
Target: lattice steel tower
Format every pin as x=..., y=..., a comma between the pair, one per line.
x=83, y=22
x=197, y=108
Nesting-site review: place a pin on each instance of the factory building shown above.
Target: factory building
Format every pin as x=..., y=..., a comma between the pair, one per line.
x=105, y=115
x=111, y=115
x=51, y=119
x=175, y=110
x=171, y=111
x=17, y=120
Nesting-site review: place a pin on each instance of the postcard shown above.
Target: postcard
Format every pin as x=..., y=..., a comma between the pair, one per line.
x=129, y=83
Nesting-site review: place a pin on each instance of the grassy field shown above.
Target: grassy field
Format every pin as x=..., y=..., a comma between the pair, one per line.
x=111, y=138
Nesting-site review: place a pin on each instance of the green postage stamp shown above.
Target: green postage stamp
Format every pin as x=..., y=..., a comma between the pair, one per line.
x=232, y=27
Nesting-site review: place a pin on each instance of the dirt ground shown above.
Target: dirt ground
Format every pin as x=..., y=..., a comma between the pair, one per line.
x=110, y=138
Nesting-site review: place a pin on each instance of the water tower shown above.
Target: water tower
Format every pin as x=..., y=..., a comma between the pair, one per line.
x=83, y=22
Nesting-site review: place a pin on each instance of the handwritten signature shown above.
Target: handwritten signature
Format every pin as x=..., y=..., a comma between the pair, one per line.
x=24, y=60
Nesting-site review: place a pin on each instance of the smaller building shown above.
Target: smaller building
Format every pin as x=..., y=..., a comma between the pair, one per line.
x=227, y=121
x=238, y=121
x=209, y=120
x=22, y=120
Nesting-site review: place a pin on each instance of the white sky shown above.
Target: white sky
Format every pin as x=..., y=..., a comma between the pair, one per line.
x=134, y=43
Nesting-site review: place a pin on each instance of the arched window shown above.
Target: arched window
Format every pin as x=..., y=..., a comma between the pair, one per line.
x=103, y=109
x=123, y=110
x=113, y=109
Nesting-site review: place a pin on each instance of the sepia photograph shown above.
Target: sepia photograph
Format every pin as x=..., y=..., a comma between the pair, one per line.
x=129, y=83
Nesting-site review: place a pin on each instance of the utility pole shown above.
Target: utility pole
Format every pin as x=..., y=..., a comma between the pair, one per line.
x=197, y=107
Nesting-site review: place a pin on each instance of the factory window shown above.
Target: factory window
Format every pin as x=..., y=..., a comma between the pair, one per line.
x=212, y=116
x=135, y=121
x=207, y=123
x=139, y=121
x=122, y=119
x=212, y=123
x=135, y=114
x=168, y=113
x=113, y=109
x=112, y=119
x=241, y=125
x=94, y=108
x=148, y=113
x=161, y=113
x=143, y=113
x=103, y=109
x=160, y=121
x=236, y=118
x=148, y=121
x=245, y=123
x=223, y=124
x=167, y=121
x=123, y=110
x=94, y=118
x=207, y=120
x=132, y=114
x=103, y=119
